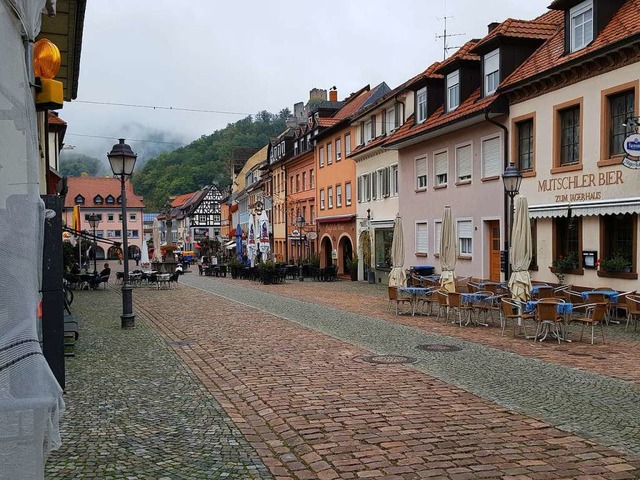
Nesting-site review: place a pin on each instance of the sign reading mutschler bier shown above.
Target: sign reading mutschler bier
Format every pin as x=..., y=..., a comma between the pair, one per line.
x=593, y=182
x=632, y=147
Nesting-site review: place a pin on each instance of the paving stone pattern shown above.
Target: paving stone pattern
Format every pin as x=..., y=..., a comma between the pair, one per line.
x=135, y=412
x=313, y=408
x=593, y=405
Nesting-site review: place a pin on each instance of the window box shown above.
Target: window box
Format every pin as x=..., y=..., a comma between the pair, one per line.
x=569, y=271
x=621, y=275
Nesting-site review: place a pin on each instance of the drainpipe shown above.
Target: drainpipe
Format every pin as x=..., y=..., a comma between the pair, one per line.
x=505, y=148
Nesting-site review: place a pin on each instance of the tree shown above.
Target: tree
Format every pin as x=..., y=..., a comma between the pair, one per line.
x=75, y=164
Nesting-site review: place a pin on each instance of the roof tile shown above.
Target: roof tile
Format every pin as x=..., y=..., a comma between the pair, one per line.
x=89, y=187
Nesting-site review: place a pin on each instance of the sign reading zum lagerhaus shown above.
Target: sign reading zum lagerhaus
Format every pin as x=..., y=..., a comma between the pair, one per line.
x=632, y=147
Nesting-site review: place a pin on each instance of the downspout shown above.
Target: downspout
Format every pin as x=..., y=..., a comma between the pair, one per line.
x=505, y=212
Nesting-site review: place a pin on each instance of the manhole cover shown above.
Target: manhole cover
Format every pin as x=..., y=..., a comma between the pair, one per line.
x=389, y=359
x=179, y=343
x=439, y=347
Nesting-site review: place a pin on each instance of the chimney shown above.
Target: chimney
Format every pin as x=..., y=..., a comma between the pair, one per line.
x=333, y=94
x=492, y=26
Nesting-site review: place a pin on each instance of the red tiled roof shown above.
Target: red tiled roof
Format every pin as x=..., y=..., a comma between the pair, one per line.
x=464, y=53
x=513, y=28
x=54, y=119
x=472, y=105
x=327, y=121
x=550, y=55
x=89, y=187
x=181, y=199
x=352, y=105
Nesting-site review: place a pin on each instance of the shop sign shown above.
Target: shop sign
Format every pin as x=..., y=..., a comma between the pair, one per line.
x=632, y=147
x=590, y=181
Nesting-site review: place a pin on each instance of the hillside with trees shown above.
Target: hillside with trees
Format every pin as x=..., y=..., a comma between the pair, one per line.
x=205, y=161
x=77, y=164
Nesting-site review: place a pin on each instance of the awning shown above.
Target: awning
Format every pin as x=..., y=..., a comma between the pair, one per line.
x=583, y=209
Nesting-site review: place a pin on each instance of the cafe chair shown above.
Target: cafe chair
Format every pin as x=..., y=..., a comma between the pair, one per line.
x=473, y=286
x=458, y=307
x=558, y=291
x=545, y=292
x=547, y=316
x=595, y=314
x=573, y=297
x=443, y=304
x=428, y=299
x=513, y=311
x=633, y=310
x=397, y=299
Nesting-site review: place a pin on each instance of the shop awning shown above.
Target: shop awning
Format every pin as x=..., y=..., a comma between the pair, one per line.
x=582, y=209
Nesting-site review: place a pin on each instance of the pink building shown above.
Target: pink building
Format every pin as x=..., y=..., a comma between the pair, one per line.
x=101, y=195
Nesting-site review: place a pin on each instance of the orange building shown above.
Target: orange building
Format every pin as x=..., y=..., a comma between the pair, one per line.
x=336, y=176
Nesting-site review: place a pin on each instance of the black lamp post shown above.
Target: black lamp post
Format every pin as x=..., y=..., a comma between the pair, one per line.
x=94, y=220
x=122, y=160
x=300, y=222
x=511, y=178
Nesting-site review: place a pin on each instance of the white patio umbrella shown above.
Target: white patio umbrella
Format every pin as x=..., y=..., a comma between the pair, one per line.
x=264, y=234
x=397, y=276
x=252, y=248
x=144, y=253
x=448, y=252
x=157, y=254
x=521, y=251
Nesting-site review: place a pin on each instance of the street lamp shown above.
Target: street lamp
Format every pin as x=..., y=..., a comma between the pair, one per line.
x=122, y=160
x=300, y=222
x=511, y=178
x=94, y=220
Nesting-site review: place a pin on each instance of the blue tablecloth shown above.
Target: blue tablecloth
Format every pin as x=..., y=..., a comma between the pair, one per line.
x=499, y=284
x=474, y=297
x=418, y=291
x=564, y=308
x=535, y=289
x=612, y=295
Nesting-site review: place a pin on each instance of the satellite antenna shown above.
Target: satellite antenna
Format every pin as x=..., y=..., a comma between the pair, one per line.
x=445, y=35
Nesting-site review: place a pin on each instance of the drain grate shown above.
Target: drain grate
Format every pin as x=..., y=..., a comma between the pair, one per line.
x=179, y=343
x=389, y=359
x=438, y=347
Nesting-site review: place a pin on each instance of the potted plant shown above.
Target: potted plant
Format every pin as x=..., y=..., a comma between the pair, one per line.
x=234, y=266
x=267, y=271
x=352, y=265
x=564, y=264
x=618, y=262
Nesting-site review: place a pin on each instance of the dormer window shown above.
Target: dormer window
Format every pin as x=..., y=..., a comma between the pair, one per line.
x=119, y=199
x=453, y=90
x=368, y=131
x=110, y=200
x=79, y=200
x=491, y=64
x=390, y=119
x=97, y=200
x=581, y=21
x=421, y=105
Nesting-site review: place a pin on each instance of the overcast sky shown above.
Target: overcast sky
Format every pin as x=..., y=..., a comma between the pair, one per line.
x=244, y=56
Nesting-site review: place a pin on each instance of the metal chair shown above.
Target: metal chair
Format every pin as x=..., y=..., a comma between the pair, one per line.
x=595, y=313
x=547, y=315
x=455, y=303
x=443, y=303
x=513, y=310
x=394, y=297
x=633, y=310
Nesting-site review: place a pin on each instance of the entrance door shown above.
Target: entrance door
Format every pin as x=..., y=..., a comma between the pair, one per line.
x=494, y=250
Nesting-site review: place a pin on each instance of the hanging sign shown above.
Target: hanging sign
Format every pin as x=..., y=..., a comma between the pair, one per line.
x=631, y=145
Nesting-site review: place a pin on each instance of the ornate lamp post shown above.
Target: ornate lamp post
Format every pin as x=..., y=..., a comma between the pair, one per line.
x=94, y=220
x=511, y=178
x=300, y=223
x=122, y=160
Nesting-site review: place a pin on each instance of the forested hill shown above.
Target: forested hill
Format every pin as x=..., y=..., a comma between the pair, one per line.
x=205, y=161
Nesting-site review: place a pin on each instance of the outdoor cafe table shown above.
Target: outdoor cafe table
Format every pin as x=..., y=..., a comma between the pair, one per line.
x=414, y=293
x=563, y=308
x=535, y=289
x=610, y=295
x=476, y=300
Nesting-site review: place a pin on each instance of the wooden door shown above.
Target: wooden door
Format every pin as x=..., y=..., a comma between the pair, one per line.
x=494, y=250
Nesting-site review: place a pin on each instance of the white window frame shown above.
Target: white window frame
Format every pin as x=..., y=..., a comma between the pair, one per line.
x=436, y=182
x=329, y=197
x=347, y=144
x=437, y=230
x=420, y=174
x=322, y=199
x=421, y=105
x=491, y=64
x=368, y=131
x=497, y=168
x=385, y=182
x=366, y=187
x=338, y=196
x=581, y=10
x=394, y=180
x=329, y=153
x=391, y=119
x=374, y=186
x=464, y=176
x=338, y=150
x=422, y=241
x=465, y=248
x=348, y=194
x=453, y=90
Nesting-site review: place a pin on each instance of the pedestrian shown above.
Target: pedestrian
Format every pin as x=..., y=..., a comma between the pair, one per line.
x=120, y=257
x=137, y=257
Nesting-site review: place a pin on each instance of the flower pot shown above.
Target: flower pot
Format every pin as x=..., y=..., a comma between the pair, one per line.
x=354, y=275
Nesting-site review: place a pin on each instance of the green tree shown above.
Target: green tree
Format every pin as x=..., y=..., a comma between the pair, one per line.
x=75, y=164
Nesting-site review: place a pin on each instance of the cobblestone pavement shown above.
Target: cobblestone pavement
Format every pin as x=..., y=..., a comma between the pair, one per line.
x=135, y=412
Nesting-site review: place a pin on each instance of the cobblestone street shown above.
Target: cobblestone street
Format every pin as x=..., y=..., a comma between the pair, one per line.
x=226, y=378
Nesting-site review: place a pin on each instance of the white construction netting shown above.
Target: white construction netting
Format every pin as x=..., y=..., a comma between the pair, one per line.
x=30, y=397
